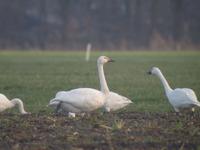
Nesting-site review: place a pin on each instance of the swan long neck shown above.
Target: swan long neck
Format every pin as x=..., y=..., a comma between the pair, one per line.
x=20, y=105
x=164, y=82
x=103, y=83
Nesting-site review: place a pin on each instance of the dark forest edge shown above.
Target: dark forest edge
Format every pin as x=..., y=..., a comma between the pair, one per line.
x=113, y=24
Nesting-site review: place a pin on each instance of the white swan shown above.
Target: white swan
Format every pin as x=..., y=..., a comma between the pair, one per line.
x=5, y=103
x=115, y=102
x=178, y=98
x=83, y=99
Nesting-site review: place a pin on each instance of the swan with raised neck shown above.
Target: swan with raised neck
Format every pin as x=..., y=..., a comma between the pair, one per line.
x=156, y=71
x=83, y=99
x=103, y=84
x=179, y=97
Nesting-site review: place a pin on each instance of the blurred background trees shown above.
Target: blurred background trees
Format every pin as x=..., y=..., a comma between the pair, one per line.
x=107, y=24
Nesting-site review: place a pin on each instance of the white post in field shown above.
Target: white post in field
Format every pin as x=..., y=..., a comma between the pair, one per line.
x=88, y=50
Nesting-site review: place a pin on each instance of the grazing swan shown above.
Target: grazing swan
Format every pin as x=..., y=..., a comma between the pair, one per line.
x=178, y=98
x=83, y=99
x=5, y=103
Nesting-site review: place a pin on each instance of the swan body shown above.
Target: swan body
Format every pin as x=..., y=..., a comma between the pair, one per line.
x=179, y=97
x=79, y=100
x=115, y=102
x=83, y=99
x=182, y=98
x=5, y=103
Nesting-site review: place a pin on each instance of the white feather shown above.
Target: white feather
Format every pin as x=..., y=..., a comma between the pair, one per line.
x=183, y=98
x=178, y=98
x=83, y=99
x=5, y=103
x=79, y=100
x=115, y=102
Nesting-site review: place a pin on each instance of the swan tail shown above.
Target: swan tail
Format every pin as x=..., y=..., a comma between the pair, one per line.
x=197, y=104
x=129, y=101
x=53, y=102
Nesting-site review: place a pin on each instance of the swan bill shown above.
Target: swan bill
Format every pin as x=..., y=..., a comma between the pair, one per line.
x=111, y=60
x=149, y=72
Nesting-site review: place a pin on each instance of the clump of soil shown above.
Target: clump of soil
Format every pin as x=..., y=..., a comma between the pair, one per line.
x=128, y=130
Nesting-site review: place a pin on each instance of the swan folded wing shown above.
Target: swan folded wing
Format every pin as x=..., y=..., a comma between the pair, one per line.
x=190, y=94
x=83, y=98
x=184, y=97
x=60, y=93
x=115, y=101
x=55, y=101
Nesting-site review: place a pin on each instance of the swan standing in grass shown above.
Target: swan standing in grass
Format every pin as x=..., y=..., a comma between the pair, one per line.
x=5, y=103
x=178, y=98
x=83, y=99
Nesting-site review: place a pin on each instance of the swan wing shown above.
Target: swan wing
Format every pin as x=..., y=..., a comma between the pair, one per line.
x=183, y=97
x=53, y=103
x=85, y=99
x=190, y=94
x=60, y=93
x=115, y=101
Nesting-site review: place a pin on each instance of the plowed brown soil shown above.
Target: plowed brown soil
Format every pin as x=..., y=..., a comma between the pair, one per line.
x=127, y=131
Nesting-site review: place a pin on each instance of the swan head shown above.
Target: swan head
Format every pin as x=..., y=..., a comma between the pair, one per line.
x=104, y=59
x=154, y=71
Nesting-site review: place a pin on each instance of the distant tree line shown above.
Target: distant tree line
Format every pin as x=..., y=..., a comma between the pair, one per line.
x=107, y=24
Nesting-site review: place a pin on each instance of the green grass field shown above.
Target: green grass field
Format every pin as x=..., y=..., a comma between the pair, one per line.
x=35, y=77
